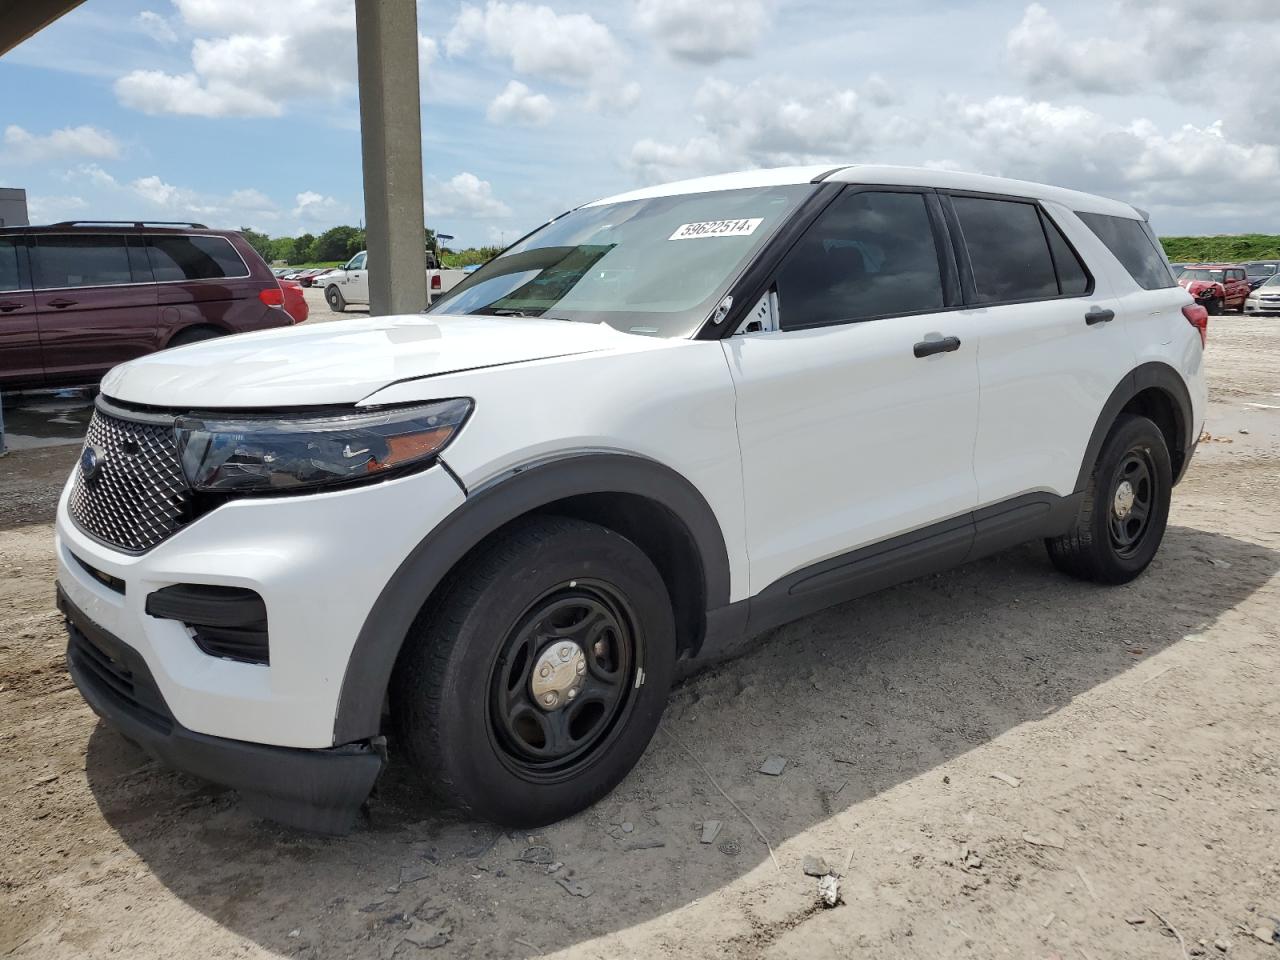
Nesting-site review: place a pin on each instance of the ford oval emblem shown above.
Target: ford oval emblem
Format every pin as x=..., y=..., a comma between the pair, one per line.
x=91, y=460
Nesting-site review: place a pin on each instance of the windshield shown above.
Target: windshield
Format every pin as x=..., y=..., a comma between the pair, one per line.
x=655, y=267
x=1261, y=269
x=1212, y=275
x=1273, y=282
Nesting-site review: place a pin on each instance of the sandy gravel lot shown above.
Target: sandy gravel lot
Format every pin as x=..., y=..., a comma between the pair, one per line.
x=1141, y=726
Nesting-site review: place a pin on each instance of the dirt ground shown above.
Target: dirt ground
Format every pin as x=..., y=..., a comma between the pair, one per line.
x=1136, y=731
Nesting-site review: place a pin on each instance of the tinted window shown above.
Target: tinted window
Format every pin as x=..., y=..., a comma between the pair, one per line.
x=9, y=278
x=194, y=258
x=80, y=260
x=870, y=254
x=1007, y=249
x=1133, y=245
x=357, y=262
x=1073, y=279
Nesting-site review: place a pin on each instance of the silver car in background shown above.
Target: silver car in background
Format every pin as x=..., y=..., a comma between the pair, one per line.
x=1266, y=299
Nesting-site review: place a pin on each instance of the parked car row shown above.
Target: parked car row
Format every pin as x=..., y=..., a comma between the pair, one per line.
x=1232, y=286
x=78, y=298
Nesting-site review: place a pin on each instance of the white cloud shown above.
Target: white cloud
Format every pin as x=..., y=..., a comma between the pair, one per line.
x=156, y=27
x=254, y=61
x=518, y=104
x=50, y=209
x=464, y=196
x=703, y=31
x=1044, y=56
x=91, y=173
x=572, y=48
x=22, y=146
x=771, y=122
x=312, y=207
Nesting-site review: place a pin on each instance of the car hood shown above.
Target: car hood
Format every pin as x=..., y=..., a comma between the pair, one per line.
x=345, y=361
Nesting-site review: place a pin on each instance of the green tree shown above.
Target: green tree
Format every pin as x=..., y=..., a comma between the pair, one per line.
x=284, y=248
x=302, y=248
x=338, y=243
x=259, y=241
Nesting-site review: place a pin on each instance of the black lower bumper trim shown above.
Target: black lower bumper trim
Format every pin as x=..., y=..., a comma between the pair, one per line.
x=315, y=790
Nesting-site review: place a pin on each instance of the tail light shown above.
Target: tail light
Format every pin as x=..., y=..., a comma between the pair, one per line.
x=435, y=282
x=272, y=296
x=1198, y=317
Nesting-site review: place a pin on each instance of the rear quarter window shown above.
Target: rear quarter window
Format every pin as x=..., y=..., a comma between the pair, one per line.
x=194, y=258
x=10, y=279
x=1133, y=244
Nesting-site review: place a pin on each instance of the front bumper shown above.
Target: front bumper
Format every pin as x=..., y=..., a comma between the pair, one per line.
x=317, y=790
x=318, y=561
x=1262, y=308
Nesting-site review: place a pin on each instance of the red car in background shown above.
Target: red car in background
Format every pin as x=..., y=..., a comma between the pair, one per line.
x=295, y=301
x=1217, y=287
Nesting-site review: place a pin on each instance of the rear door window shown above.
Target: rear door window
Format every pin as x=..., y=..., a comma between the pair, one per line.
x=1133, y=244
x=80, y=260
x=1008, y=250
x=194, y=258
x=870, y=254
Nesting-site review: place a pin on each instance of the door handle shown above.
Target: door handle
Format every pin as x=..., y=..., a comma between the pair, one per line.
x=8, y=306
x=1099, y=315
x=927, y=348
x=62, y=303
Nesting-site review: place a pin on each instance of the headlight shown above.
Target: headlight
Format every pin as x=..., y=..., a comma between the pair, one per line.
x=251, y=455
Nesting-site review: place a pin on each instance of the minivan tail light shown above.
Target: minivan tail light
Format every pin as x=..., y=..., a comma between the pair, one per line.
x=435, y=282
x=1198, y=317
x=272, y=296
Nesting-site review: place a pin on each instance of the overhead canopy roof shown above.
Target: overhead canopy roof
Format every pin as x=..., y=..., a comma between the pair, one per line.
x=20, y=19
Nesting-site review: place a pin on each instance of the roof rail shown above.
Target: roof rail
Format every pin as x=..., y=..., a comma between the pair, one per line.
x=129, y=223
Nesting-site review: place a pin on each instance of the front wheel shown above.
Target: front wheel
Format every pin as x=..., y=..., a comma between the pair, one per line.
x=1214, y=307
x=333, y=296
x=1125, y=508
x=532, y=685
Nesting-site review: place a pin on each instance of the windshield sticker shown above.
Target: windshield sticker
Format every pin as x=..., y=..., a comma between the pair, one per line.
x=717, y=228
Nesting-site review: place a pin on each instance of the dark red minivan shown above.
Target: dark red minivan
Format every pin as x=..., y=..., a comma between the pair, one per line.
x=78, y=298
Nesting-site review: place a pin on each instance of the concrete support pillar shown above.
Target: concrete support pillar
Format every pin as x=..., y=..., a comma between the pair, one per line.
x=391, y=138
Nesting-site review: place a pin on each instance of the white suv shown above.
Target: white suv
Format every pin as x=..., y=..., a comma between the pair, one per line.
x=478, y=541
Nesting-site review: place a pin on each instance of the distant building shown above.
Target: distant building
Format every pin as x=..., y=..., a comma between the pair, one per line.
x=13, y=207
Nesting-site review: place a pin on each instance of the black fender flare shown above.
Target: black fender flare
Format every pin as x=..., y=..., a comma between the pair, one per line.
x=485, y=509
x=1148, y=375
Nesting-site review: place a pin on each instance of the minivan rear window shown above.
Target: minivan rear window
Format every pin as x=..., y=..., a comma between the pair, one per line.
x=194, y=258
x=80, y=260
x=1134, y=246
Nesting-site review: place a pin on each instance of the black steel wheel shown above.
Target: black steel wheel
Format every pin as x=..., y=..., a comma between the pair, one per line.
x=1122, y=513
x=1132, y=501
x=537, y=674
x=561, y=682
x=333, y=296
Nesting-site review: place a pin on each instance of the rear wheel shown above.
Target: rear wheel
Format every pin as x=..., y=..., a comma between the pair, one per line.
x=1125, y=509
x=333, y=296
x=532, y=686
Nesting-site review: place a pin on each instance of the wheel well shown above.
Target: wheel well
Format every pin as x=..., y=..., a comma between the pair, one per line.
x=1162, y=410
x=664, y=539
x=213, y=328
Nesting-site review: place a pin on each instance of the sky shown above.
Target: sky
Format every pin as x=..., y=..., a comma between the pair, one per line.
x=245, y=112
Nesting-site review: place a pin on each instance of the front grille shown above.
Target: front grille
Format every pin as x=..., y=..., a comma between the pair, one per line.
x=137, y=495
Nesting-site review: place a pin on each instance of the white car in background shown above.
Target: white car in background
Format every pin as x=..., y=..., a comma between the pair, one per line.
x=349, y=284
x=476, y=542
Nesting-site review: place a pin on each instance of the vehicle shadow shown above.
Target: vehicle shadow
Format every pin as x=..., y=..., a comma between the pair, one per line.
x=857, y=699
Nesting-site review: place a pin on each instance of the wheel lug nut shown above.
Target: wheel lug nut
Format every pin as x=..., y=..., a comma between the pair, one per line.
x=565, y=653
x=582, y=666
x=549, y=699
x=545, y=671
x=572, y=694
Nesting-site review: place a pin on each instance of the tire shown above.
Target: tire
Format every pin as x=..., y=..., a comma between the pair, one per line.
x=194, y=335
x=1102, y=546
x=463, y=694
x=333, y=296
x=1215, y=307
